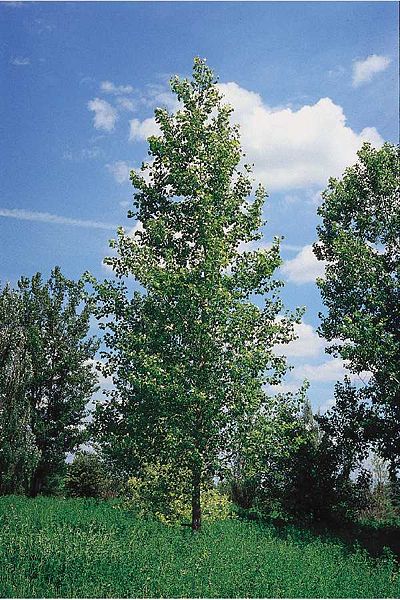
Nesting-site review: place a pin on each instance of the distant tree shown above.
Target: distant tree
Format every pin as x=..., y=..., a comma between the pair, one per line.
x=258, y=476
x=190, y=356
x=292, y=469
x=55, y=321
x=86, y=476
x=359, y=240
x=18, y=453
x=318, y=487
x=380, y=505
x=345, y=424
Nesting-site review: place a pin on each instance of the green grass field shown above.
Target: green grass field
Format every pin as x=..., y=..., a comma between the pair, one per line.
x=77, y=548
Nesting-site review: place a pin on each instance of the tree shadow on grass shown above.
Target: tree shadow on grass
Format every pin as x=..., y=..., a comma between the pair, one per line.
x=374, y=537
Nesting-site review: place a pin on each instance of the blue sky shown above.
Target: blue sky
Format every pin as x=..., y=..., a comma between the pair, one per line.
x=310, y=82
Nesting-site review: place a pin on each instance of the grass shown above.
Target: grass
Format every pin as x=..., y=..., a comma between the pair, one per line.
x=79, y=548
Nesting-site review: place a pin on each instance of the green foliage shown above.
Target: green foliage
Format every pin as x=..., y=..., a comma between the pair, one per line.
x=88, y=549
x=47, y=377
x=191, y=355
x=86, y=476
x=359, y=240
x=259, y=474
x=292, y=470
x=161, y=492
x=18, y=453
x=381, y=506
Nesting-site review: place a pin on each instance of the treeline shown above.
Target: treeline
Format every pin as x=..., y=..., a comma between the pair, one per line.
x=191, y=422
x=46, y=380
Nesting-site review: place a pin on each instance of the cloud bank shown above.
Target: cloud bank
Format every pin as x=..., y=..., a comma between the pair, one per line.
x=290, y=149
x=307, y=344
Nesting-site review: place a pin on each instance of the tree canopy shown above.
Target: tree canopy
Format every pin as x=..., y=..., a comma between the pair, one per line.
x=359, y=240
x=191, y=354
x=48, y=375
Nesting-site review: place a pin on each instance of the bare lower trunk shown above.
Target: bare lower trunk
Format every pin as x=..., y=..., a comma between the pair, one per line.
x=196, y=506
x=394, y=483
x=36, y=485
x=37, y=481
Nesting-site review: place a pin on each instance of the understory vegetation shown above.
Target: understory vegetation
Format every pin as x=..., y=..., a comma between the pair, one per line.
x=51, y=547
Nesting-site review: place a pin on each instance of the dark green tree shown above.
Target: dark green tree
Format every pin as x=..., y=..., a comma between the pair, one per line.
x=292, y=469
x=359, y=240
x=18, y=453
x=259, y=477
x=86, y=476
x=190, y=355
x=55, y=320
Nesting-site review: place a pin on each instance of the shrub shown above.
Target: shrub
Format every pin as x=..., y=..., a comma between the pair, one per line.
x=161, y=493
x=86, y=477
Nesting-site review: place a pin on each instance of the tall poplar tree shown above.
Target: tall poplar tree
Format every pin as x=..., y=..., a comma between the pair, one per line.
x=46, y=379
x=19, y=455
x=192, y=352
x=57, y=320
x=359, y=238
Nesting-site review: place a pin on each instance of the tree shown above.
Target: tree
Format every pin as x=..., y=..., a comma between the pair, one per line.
x=292, y=468
x=87, y=477
x=18, y=453
x=55, y=321
x=259, y=476
x=359, y=240
x=191, y=354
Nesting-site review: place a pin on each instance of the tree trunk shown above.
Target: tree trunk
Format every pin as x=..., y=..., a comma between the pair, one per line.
x=394, y=484
x=36, y=483
x=196, y=505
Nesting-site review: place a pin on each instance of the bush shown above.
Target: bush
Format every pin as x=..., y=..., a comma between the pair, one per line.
x=161, y=493
x=86, y=477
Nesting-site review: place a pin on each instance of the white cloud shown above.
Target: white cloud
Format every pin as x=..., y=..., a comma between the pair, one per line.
x=294, y=149
x=160, y=96
x=20, y=61
x=156, y=96
x=120, y=170
x=283, y=388
x=11, y=4
x=137, y=228
x=330, y=370
x=308, y=342
x=117, y=90
x=141, y=130
x=105, y=115
x=289, y=148
x=290, y=247
x=304, y=267
x=83, y=154
x=126, y=104
x=43, y=217
x=364, y=70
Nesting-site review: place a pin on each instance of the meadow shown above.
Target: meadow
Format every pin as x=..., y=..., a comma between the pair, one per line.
x=53, y=547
